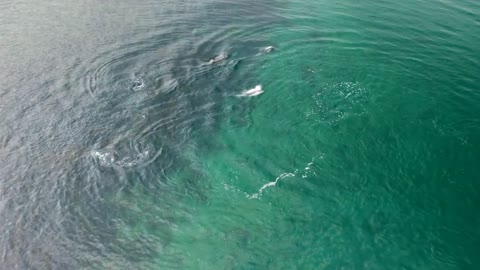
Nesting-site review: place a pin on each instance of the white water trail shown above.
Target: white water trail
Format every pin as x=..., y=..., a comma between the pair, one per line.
x=269, y=184
x=304, y=174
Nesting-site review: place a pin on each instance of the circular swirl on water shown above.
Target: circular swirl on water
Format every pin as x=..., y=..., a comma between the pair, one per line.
x=115, y=125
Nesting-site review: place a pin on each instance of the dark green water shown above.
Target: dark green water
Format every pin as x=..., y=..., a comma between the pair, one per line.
x=122, y=148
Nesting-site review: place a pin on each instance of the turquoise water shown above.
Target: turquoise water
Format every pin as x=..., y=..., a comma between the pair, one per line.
x=123, y=148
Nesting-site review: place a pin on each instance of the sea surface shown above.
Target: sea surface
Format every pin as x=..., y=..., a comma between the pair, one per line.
x=123, y=147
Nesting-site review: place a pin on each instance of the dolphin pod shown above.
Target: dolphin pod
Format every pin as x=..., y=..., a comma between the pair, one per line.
x=250, y=92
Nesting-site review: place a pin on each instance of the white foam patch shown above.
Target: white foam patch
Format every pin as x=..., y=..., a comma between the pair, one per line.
x=109, y=158
x=105, y=158
x=138, y=84
x=130, y=162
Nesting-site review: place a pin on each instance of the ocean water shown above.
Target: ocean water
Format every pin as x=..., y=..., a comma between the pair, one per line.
x=122, y=147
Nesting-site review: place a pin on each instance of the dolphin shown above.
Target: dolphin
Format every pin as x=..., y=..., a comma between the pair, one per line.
x=218, y=58
x=268, y=49
x=252, y=92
